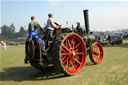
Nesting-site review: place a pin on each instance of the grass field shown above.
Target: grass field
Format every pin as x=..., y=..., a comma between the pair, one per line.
x=113, y=70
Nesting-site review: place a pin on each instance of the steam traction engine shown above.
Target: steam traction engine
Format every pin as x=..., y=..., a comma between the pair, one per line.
x=67, y=52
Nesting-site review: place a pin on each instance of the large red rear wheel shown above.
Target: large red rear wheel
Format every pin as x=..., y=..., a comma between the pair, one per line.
x=70, y=53
x=96, y=53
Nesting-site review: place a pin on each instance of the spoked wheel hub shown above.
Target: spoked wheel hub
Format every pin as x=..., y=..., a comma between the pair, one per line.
x=73, y=53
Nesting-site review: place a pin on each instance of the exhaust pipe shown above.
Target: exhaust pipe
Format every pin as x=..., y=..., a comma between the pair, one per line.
x=86, y=21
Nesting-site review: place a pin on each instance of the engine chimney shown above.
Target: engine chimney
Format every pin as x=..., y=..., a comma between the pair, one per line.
x=86, y=21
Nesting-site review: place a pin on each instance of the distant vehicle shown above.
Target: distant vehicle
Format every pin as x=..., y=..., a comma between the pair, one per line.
x=103, y=40
x=125, y=35
x=115, y=39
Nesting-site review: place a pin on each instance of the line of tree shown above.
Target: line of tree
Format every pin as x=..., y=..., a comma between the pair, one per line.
x=8, y=32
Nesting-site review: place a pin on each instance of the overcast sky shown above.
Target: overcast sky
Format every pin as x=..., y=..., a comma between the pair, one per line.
x=103, y=15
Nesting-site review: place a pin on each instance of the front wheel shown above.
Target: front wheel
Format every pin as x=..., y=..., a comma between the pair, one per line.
x=96, y=53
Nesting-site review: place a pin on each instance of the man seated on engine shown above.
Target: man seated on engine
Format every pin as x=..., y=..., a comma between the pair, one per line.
x=34, y=34
x=50, y=26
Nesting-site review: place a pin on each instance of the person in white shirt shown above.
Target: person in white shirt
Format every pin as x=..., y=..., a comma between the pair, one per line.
x=50, y=26
x=4, y=45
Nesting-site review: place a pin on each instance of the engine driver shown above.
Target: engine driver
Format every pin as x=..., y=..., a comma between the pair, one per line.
x=50, y=26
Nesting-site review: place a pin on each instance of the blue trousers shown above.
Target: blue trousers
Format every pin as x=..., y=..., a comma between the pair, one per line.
x=43, y=43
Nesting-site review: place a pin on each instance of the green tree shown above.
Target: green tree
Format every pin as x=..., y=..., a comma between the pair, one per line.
x=8, y=31
x=22, y=32
x=12, y=28
x=5, y=30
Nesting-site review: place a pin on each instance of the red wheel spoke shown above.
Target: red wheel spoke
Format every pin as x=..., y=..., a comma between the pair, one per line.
x=96, y=53
x=97, y=59
x=68, y=65
x=98, y=56
x=65, y=47
x=72, y=41
x=76, y=45
x=77, y=57
x=76, y=50
x=97, y=49
x=73, y=44
x=64, y=53
x=76, y=60
x=80, y=53
x=63, y=50
x=76, y=65
x=69, y=44
x=65, y=60
x=72, y=65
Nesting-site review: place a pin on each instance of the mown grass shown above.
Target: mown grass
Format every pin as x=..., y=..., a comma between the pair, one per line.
x=113, y=70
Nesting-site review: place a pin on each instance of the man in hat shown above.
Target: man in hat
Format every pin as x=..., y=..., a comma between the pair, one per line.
x=50, y=26
x=32, y=24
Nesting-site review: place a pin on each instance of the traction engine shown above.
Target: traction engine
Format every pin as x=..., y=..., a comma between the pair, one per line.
x=68, y=50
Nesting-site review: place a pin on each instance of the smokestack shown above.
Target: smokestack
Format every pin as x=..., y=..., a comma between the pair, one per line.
x=86, y=21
